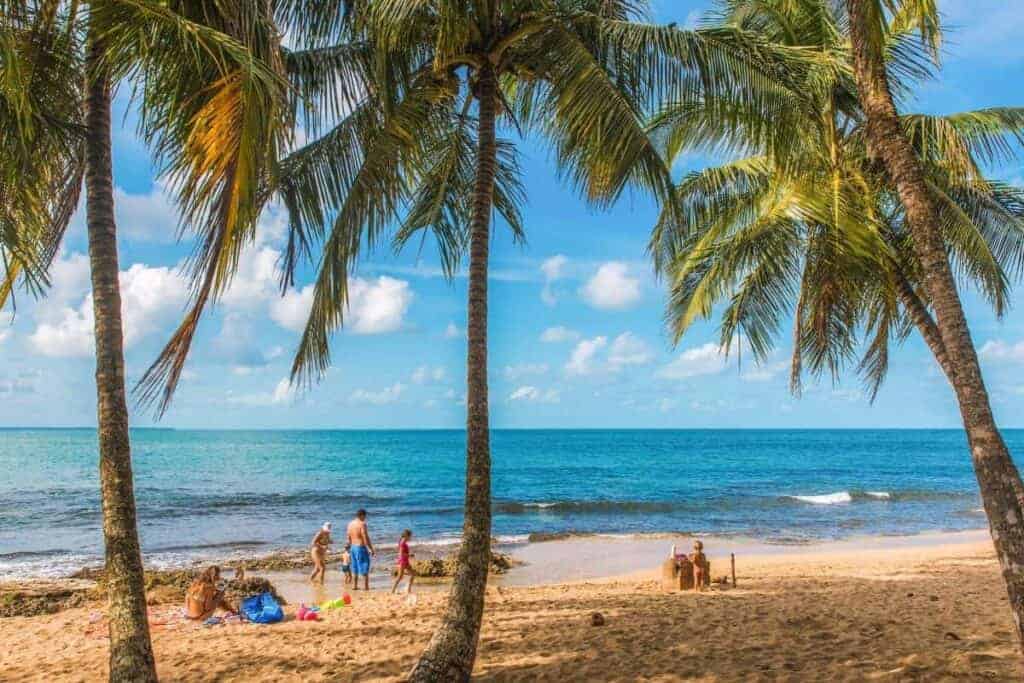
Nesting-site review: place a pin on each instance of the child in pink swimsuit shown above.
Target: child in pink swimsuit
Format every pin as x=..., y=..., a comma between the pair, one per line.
x=404, y=563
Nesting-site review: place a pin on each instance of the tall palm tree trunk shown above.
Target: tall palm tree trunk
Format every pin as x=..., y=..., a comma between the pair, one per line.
x=452, y=650
x=998, y=478
x=131, y=653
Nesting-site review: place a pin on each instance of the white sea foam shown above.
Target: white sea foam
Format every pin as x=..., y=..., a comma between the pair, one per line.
x=539, y=505
x=883, y=495
x=826, y=498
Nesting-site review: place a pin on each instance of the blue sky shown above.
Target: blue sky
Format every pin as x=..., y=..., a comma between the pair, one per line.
x=576, y=329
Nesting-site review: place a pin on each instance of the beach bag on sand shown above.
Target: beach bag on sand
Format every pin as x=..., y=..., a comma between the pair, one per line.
x=262, y=609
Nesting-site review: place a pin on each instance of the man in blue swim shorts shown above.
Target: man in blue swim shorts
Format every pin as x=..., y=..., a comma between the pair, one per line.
x=361, y=550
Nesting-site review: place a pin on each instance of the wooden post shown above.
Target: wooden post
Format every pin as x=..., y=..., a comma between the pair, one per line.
x=732, y=559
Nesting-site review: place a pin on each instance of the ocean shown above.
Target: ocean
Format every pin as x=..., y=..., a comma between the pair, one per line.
x=219, y=494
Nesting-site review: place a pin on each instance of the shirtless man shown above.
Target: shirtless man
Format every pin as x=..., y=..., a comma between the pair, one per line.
x=361, y=550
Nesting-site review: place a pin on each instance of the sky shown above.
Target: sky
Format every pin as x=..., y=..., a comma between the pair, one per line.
x=577, y=334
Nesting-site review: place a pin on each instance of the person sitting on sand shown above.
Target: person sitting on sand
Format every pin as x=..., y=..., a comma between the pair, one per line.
x=205, y=596
x=361, y=550
x=318, y=550
x=346, y=563
x=404, y=563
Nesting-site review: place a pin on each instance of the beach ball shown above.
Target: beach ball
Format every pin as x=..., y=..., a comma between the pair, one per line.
x=347, y=599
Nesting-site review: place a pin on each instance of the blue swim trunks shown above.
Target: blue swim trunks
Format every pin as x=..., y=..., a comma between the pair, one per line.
x=360, y=560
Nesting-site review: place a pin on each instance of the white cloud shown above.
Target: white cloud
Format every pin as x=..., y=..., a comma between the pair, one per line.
x=611, y=287
x=553, y=269
x=152, y=216
x=375, y=306
x=666, y=405
x=291, y=311
x=581, y=360
x=150, y=298
x=6, y=319
x=256, y=280
x=533, y=394
x=514, y=372
x=557, y=334
x=707, y=359
x=453, y=331
x=764, y=372
x=998, y=350
x=283, y=392
x=628, y=349
x=378, y=398
x=426, y=374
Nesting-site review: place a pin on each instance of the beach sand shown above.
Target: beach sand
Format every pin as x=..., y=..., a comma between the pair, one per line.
x=928, y=608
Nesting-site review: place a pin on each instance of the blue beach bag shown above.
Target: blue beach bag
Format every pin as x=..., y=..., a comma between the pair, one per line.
x=262, y=609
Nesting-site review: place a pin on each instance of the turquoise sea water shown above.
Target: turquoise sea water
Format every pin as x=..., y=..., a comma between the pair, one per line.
x=204, y=494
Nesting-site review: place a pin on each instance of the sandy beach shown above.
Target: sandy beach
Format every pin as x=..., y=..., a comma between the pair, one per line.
x=928, y=607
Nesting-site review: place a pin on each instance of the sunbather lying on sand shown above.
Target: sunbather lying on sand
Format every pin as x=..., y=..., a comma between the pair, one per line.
x=205, y=596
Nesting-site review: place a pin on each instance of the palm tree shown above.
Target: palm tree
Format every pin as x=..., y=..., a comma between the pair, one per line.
x=998, y=478
x=199, y=84
x=40, y=115
x=812, y=216
x=404, y=99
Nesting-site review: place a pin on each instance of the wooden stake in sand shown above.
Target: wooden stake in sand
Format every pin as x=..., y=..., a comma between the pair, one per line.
x=732, y=559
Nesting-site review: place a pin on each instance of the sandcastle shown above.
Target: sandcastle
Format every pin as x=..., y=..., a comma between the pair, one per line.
x=677, y=572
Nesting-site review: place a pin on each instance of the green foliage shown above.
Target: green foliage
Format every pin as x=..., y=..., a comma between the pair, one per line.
x=802, y=221
x=398, y=83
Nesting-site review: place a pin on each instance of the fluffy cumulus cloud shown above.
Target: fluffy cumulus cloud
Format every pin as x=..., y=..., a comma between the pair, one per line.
x=558, y=334
x=151, y=298
x=583, y=356
x=596, y=356
x=998, y=350
x=534, y=395
x=552, y=269
x=378, y=398
x=612, y=287
x=706, y=359
x=453, y=331
x=628, y=349
x=375, y=306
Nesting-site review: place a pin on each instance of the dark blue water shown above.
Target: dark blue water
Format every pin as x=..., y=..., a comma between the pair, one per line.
x=209, y=493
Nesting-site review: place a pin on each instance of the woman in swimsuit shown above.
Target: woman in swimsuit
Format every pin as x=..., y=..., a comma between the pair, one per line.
x=205, y=595
x=318, y=550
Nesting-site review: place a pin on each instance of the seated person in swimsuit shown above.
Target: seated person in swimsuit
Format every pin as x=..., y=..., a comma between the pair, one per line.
x=205, y=596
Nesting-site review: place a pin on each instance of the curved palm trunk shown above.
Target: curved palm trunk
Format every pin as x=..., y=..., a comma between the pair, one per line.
x=451, y=652
x=131, y=653
x=998, y=478
x=925, y=324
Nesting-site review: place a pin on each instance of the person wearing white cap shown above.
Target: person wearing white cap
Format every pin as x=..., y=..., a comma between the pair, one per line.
x=318, y=549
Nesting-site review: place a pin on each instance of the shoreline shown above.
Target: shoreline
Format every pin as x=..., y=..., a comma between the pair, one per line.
x=569, y=560
x=923, y=607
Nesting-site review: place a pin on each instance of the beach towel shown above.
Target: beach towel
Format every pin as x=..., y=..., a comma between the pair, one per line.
x=360, y=560
x=262, y=609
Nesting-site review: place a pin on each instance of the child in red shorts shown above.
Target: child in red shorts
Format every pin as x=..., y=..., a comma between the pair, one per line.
x=404, y=562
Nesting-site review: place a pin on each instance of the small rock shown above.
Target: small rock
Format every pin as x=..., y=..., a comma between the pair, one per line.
x=933, y=598
x=951, y=636
x=597, y=619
